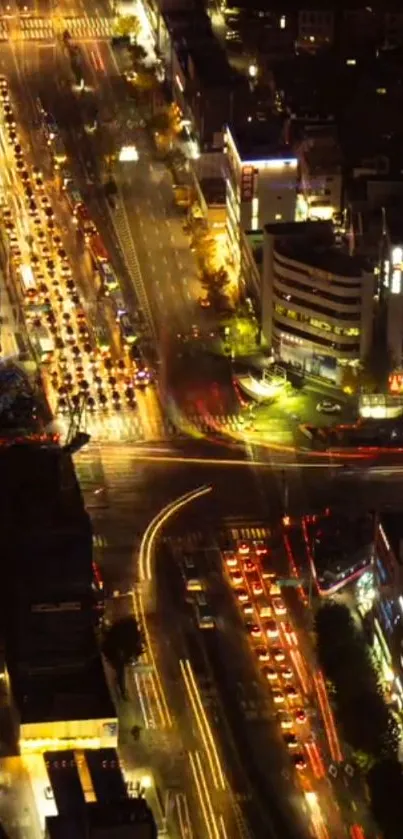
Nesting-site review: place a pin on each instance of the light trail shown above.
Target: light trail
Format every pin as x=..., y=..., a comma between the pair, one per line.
x=182, y=809
x=280, y=466
x=203, y=794
x=145, y=575
x=154, y=527
x=299, y=666
x=206, y=723
x=293, y=569
x=318, y=824
x=315, y=760
x=204, y=729
x=327, y=714
x=141, y=699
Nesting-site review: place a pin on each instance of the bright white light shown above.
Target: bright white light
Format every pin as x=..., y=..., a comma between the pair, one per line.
x=397, y=256
x=253, y=70
x=146, y=782
x=282, y=22
x=396, y=281
x=128, y=154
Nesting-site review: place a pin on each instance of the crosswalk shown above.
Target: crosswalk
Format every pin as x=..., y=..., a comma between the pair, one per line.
x=127, y=426
x=36, y=28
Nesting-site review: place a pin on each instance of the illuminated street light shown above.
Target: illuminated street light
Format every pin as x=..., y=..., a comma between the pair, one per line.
x=128, y=154
x=253, y=70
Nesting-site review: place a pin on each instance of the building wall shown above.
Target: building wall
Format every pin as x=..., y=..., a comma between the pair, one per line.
x=312, y=317
x=69, y=734
x=315, y=29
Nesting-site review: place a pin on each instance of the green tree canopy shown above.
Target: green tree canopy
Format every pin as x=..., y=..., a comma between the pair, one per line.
x=385, y=784
x=123, y=643
x=346, y=662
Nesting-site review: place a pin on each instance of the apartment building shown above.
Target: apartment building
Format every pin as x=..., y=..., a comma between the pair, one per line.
x=317, y=301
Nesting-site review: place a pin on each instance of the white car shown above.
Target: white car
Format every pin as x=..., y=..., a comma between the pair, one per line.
x=328, y=407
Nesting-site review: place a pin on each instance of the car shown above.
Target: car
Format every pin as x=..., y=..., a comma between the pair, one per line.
x=300, y=716
x=247, y=608
x=38, y=183
x=265, y=611
x=271, y=629
x=291, y=692
x=204, y=302
x=286, y=673
x=260, y=548
x=242, y=595
x=257, y=588
x=278, y=697
x=328, y=406
x=254, y=630
x=249, y=567
x=299, y=762
x=291, y=741
x=285, y=721
x=278, y=654
x=262, y=653
x=230, y=559
x=243, y=548
x=235, y=578
x=279, y=606
x=270, y=674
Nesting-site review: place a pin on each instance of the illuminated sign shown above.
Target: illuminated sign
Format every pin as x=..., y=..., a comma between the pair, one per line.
x=396, y=383
x=274, y=163
x=247, y=183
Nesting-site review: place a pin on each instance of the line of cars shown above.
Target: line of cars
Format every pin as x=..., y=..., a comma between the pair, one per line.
x=272, y=638
x=76, y=368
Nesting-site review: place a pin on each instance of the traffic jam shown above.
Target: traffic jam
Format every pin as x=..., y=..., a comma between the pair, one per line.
x=275, y=648
x=73, y=355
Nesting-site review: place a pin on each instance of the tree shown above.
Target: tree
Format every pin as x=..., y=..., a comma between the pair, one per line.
x=122, y=644
x=138, y=54
x=345, y=659
x=128, y=25
x=385, y=784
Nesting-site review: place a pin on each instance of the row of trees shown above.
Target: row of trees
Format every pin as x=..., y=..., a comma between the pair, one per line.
x=122, y=644
x=367, y=722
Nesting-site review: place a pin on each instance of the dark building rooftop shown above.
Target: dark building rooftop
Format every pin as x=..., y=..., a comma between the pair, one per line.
x=193, y=40
x=213, y=190
x=79, y=695
x=130, y=819
x=260, y=139
x=312, y=243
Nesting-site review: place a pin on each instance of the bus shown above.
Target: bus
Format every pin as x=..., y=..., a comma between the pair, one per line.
x=127, y=329
x=192, y=580
x=102, y=338
x=74, y=198
x=28, y=283
x=44, y=343
x=85, y=222
x=58, y=152
x=120, y=305
x=108, y=276
x=205, y=619
x=98, y=250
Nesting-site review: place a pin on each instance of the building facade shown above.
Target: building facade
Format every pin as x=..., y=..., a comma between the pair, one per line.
x=317, y=302
x=261, y=188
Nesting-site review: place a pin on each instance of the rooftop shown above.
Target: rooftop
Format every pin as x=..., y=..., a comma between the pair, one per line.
x=312, y=244
x=132, y=818
x=193, y=39
x=79, y=695
x=39, y=488
x=260, y=139
x=339, y=543
x=213, y=190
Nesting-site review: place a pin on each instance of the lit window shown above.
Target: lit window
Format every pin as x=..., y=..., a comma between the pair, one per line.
x=282, y=22
x=278, y=217
x=351, y=62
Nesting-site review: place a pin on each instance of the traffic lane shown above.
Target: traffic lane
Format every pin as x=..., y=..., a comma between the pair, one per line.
x=178, y=617
x=156, y=259
x=124, y=495
x=252, y=717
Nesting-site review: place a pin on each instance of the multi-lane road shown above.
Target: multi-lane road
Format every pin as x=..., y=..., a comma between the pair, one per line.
x=125, y=485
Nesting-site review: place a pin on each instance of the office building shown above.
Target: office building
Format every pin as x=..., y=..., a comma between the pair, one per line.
x=261, y=183
x=321, y=183
x=317, y=301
